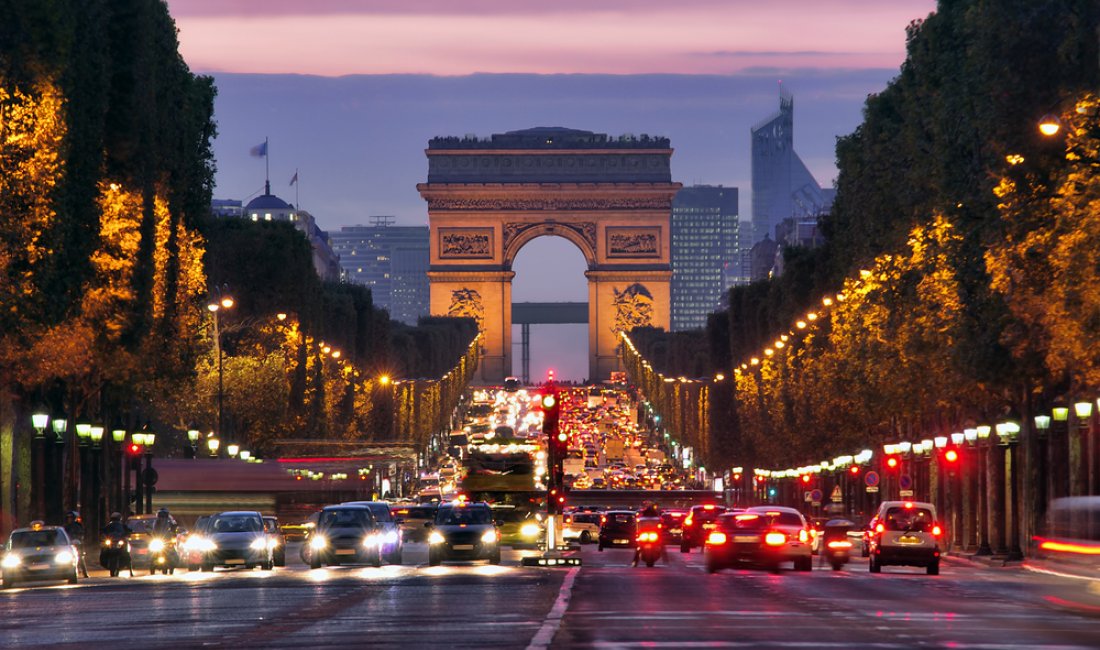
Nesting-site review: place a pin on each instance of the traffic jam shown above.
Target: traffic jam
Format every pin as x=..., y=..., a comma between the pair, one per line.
x=487, y=500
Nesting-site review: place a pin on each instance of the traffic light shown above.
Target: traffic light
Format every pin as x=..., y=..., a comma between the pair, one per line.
x=892, y=462
x=854, y=470
x=951, y=455
x=806, y=478
x=551, y=411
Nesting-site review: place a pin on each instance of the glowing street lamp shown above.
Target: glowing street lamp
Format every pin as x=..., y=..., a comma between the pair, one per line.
x=212, y=444
x=1049, y=125
x=40, y=421
x=232, y=450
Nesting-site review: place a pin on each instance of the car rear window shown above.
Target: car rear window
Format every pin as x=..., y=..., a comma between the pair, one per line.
x=620, y=519
x=706, y=514
x=917, y=520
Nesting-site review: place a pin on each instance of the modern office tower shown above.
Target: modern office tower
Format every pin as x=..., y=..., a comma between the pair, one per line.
x=782, y=187
x=705, y=249
x=391, y=260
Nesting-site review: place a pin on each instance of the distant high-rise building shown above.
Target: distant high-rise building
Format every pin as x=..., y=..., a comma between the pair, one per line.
x=705, y=249
x=392, y=261
x=782, y=186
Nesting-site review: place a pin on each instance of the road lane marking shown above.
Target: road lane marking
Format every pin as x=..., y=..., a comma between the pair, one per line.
x=550, y=626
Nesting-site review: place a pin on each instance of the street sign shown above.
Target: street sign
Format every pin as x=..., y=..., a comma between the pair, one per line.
x=871, y=490
x=815, y=495
x=836, y=496
x=905, y=482
x=806, y=496
x=149, y=477
x=905, y=493
x=871, y=479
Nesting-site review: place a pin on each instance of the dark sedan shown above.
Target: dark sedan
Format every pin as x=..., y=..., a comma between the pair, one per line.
x=463, y=531
x=391, y=529
x=346, y=535
x=618, y=528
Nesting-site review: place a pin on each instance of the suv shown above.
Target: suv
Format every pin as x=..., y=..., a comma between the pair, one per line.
x=906, y=533
x=698, y=524
x=765, y=535
x=618, y=528
x=463, y=531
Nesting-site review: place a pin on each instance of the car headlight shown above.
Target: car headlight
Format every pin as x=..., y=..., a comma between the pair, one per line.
x=259, y=544
x=435, y=538
x=205, y=545
x=11, y=560
x=370, y=541
x=318, y=542
x=272, y=543
x=390, y=537
x=64, y=557
x=490, y=537
x=529, y=530
x=156, y=546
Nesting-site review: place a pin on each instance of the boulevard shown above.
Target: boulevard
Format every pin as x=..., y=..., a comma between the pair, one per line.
x=604, y=604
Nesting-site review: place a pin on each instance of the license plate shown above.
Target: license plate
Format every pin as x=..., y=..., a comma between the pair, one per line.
x=621, y=541
x=708, y=526
x=235, y=561
x=463, y=547
x=908, y=539
x=142, y=551
x=39, y=567
x=746, y=538
x=345, y=551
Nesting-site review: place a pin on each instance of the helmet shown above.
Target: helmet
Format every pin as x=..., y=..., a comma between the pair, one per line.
x=73, y=513
x=116, y=516
x=163, y=512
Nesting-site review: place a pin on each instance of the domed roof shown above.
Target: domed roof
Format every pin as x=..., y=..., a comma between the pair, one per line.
x=267, y=202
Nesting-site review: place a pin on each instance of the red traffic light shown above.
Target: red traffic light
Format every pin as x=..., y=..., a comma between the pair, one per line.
x=548, y=401
x=805, y=478
x=951, y=455
x=135, y=448
x=892, y=462
x=854, y=470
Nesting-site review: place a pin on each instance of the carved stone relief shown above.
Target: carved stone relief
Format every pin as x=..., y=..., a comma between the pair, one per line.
x=467, y=303
x=465, y=243
x=633, y=242
x=633, y=308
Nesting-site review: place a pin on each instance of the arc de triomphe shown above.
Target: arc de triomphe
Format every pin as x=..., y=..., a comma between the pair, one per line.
x=611, y=197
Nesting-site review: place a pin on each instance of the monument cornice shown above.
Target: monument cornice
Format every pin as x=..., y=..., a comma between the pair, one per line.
x=546, y=152
x=526, y=197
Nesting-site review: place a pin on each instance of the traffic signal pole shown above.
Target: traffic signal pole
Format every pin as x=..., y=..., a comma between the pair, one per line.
x=556, y=449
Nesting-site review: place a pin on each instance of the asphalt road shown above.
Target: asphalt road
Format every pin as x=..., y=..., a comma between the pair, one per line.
x=607, y=603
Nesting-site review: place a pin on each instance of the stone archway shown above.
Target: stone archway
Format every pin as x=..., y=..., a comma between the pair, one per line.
x=611, y=197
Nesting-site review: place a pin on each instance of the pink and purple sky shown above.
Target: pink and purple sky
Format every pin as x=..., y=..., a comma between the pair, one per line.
x=350, y=91
x=457, y=37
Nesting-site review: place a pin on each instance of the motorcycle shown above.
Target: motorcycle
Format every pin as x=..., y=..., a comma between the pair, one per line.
x=650, y=547
x=162, y=555
x=114, y=555
x=836, y=548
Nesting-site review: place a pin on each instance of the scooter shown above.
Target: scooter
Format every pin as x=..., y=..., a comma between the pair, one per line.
x=650, y=547
x=114, y=555
x=162, y=555
x=836, y=548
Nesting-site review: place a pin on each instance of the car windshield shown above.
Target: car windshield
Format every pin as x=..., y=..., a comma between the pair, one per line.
x=914, y=520
x=381, y=512
x=456, y=516
x=141, y=525
x=349, y=518
x=236, y=524
x=420, y=513
x=30, y=538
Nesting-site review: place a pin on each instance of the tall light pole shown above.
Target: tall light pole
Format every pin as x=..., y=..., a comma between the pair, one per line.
x=220, y=301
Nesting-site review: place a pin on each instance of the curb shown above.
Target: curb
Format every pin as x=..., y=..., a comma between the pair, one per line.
x=991, y=561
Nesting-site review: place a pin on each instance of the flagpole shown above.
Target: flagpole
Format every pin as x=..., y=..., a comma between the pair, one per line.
x=297, y=182
x=267, y=163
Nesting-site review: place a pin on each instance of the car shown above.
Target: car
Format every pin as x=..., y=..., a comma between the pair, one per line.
x=761, y=535
x=906, y=533
x=698, y=523
x=617, y=528
x=237, y=538
x=195, y=543
x=583, y=527
x=346, y=535
x=672, y=521
x=277, y=538
x=39, y=552
x=297, y=532
x=411, y=518
x=518, y=528
x=463, y=531
x=141, y=527
x=391, y=529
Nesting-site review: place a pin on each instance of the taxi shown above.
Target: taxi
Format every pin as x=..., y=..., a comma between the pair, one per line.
x=39, y=552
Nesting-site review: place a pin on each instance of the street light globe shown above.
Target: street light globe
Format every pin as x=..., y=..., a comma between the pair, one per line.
x=193, y=435
x=227, y=302
x=212, y=444
x=384, y=380
x=40, y=421
x=232, y=450
x=213, y=306
x=1083, y=409
x=245, y=454
x=1049, y=125
x=118, y=435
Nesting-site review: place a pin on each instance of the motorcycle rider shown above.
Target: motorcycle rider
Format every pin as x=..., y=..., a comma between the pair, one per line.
x=114, y=530
x=649, y=521
x=75, y=530
x=165, y=525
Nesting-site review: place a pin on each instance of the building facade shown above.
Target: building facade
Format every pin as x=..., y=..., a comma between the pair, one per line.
x=392, y=261
x=782, y=186
x=706, y=257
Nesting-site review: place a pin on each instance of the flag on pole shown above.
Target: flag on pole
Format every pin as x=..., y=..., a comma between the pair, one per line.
x=294, y=178
x=260, y=150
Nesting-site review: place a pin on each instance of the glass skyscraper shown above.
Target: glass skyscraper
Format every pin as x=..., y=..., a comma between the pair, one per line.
x=706, y=258
x=392, y=261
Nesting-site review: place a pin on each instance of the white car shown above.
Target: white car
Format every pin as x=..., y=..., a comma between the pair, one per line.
x=583, y=527
x=906, y=533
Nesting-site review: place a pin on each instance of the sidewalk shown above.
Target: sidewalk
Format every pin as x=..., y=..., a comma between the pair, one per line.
x=998, y=561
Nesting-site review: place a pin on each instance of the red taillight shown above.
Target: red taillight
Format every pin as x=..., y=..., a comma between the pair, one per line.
x=603, y=520
x=937, y=531
x=708, y=507
x=775, y=539
x=840, y=545
x=879, y=528
x=647, y=537
x=716, y=538
x=688, y=521
x=803, y=536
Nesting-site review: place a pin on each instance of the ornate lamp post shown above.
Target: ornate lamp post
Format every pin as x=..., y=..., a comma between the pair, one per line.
x=118, y=438
x=220, y=301
x=148, y=476
x=83, y=436
x=212, y=444
x=39, y=420
x=193, y=440
x=1008, y=432
x=985, y=525
x=94, y=504
x=1080, y=451
x=55, y=465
